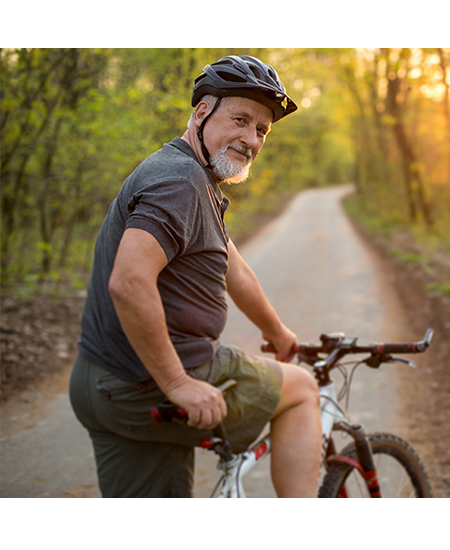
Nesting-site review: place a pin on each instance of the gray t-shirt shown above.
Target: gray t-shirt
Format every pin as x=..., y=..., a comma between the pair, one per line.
x=178, y=201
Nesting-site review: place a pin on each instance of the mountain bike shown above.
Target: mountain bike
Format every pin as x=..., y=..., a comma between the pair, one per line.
x=373, y=465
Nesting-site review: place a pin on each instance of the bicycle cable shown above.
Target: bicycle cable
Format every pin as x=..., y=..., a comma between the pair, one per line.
x=358, y=363
x=343, y=370
x=341, y=410
x=221, y=480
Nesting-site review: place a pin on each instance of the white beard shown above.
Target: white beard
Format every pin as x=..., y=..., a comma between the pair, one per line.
x=228, y=171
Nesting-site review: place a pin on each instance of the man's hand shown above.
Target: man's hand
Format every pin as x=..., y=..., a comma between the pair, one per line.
x=204, y=403
x=282, y=340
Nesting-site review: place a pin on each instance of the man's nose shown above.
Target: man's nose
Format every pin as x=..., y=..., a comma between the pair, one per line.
x=249, y=137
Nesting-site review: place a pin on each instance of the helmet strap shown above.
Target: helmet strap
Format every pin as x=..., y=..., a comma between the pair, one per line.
x=205, y=151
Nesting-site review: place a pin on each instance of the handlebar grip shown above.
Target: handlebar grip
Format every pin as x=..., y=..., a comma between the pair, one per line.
x=397, y=348
x=308, y=349
x=413, y=347
x=268, y=348
x=167, y=411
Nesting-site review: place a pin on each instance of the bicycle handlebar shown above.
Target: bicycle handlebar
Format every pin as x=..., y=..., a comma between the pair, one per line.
x=414, y=347
x=333, y=341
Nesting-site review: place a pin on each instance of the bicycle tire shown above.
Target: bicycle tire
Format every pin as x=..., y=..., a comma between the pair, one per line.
x=399, y=469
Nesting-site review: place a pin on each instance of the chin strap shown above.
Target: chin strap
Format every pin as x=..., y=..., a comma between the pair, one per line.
x=205, y=151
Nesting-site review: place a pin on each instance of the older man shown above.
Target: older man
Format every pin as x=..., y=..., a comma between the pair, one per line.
x=156, y=307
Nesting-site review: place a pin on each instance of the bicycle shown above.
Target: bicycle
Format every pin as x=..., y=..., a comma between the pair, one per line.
x=373, y=465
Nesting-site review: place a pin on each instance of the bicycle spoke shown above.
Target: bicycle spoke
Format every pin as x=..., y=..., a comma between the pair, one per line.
x=361, y=484
x=392, y=477
x=403, y=483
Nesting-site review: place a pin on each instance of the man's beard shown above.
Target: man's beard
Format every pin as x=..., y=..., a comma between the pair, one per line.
x=228, y=171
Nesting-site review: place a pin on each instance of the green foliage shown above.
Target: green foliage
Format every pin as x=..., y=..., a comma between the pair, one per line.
x=376, y=221
x=76, y=122
x=408, y=257
x=400, y=121
x=442, y=288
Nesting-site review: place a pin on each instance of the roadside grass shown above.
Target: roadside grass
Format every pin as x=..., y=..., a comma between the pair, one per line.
x=442, y=288
x=414, y=245
x=408, y=257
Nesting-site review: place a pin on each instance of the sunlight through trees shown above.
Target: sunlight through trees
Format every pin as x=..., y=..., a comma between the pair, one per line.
x=76, y=122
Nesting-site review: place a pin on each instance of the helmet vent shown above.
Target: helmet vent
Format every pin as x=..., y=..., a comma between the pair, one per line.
x=224, y=61
x=255, y=71
x=273, y=74
x=230, y=77
x=200, y=78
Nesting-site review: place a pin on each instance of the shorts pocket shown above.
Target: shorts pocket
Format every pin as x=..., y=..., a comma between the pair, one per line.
x=125, y=407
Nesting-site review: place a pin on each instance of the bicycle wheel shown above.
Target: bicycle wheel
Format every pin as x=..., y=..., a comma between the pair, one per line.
x=400, y=472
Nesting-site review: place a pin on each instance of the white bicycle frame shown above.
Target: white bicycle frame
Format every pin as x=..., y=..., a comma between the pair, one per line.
x=235, y=469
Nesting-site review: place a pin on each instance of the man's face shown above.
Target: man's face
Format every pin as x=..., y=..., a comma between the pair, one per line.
x=234, y=136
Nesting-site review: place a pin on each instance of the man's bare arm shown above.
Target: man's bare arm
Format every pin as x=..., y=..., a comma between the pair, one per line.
x=247, y=294
x=133, y=288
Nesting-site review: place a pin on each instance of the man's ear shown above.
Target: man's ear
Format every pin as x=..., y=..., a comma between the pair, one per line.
x=201, y=110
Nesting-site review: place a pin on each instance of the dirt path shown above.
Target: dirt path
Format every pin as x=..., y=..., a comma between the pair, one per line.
x=426, y=390
x=39, y=337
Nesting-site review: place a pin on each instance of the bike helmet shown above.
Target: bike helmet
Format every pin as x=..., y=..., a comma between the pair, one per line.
x=244, y=76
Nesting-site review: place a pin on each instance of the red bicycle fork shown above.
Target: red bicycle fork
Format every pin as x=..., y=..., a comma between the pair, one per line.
x=370, y=477
x=364, y=464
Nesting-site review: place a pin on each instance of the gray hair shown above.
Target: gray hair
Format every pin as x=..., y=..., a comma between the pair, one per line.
x=210, y=100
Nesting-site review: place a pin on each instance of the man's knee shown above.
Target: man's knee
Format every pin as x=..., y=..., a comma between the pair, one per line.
x=299, y=388
x=306, y=387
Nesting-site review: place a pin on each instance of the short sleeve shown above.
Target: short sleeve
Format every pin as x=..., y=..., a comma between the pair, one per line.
x=169, y=211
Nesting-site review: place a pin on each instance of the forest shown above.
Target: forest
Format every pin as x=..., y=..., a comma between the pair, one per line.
x=76, y=122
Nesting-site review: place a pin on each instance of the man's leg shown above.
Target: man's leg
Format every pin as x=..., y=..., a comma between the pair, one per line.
x=296, y=434
x=142, y=469
x=127, y=467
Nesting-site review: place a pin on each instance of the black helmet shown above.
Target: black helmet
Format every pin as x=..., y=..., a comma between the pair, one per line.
x=244, y=76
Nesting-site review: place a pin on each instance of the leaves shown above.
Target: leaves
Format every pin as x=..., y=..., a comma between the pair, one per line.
x=76, y=122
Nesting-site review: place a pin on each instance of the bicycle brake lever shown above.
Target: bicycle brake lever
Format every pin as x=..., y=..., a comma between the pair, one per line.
x=402, y=360
x=226, y=385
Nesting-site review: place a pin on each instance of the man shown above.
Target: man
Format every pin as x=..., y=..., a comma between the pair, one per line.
x=156, y=306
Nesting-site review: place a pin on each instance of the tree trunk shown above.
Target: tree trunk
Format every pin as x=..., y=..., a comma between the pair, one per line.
x=68, y=233
x=409, y=159
x=446, y=102
x=362, y=138
x=46, y=226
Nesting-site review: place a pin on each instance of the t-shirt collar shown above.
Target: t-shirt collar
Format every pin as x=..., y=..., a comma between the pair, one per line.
x=184, y=147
